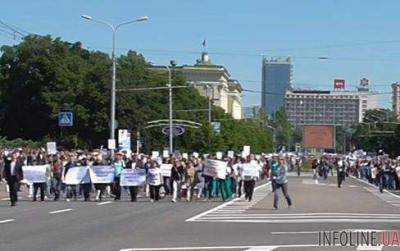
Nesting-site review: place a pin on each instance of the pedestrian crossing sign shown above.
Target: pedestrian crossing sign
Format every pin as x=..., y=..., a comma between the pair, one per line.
x=65, y=119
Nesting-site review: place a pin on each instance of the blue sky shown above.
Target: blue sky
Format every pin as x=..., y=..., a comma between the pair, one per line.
x=360, y=37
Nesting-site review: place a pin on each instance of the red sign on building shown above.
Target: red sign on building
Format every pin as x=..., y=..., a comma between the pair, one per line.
x=339, y=84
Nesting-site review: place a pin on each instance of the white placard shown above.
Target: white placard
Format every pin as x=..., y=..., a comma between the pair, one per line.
x=155, y=154
x=246, y=150
x=133, y=177
x=250, y=170
x=165, y=154
x=195, y=154
x=154, y=177
x=231, y=154
x=374, y=172
x=102, y=174
x=35, y=174
x=166, y=170
x=111, y=144
x=215, y=168
x=77, y=175
x=218, y=155
x=185, y=156
x=124, y=140
x=51, y=148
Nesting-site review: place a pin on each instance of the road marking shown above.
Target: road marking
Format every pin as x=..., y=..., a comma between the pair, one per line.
x=219, y=247
x=270, y=248
x=61, y=211
x=369, y=248
x=347, y=230
x=344, y=220
x=366, y=182
x=220, y=207
x=300, y=232
x=8, y=220
x=5, y=199
x=103, y=203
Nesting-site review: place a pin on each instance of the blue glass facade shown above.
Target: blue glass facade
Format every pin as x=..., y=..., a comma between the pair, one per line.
x=276, y=78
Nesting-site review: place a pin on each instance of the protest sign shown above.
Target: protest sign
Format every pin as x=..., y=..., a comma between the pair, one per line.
x=166, y=170
x=185, y=156
x=77, y=175
x=398, y=171
x=111, y=144
x=124, y=140
x=154, y=176
x=155, y=154
x=35, y=174
x=102, y=174
x=165, y=154
x=218, y=155
x=246, y=150
x=231, y=154
x=133, y=177
x=374, y=172
x=195, y=154
x=51, y=148
x=215, y=168
x=250, y=170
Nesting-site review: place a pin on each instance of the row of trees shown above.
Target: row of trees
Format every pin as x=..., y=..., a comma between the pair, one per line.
x=380, y=130
x=42, y=76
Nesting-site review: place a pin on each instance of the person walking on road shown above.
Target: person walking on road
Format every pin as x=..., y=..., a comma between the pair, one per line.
x=281, y=181
x=119, y=165
x=341, y=172
x=13, y=175
x=249, y=182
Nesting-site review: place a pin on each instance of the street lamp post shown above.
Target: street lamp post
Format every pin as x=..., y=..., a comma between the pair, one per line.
x=171, y=135
x=114, y=29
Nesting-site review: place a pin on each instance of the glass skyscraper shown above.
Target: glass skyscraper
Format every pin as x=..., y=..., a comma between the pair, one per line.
x=276, y=78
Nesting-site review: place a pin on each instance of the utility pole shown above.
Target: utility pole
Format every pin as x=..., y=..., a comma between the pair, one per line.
x=138, y=142
x=171, y=136
x=114, y=29
x=209, y=103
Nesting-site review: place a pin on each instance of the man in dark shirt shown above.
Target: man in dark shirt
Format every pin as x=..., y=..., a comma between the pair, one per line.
x=13, y=174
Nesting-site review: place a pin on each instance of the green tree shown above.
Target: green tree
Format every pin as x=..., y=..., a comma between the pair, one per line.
x=379, y=130
x=42, y=76
x=284, y=130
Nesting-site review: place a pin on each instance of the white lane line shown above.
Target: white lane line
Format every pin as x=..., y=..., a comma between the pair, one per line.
x=8, y=220
x=316, y=232
x=320, y=215
x=103, y=203
x=270, y=248
x=344, y=220
x=300, y=232
x=194, y=218
x=61, y=211
x=369, y=248
x=219, y=247
x=5, y=199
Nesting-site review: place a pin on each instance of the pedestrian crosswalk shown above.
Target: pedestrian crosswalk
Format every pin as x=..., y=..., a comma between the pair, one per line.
x=239, y=211
x=386, y=196
x=236, y=206
x=312, y=247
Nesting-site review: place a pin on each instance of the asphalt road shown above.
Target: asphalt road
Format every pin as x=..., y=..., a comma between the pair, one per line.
x=201, y=225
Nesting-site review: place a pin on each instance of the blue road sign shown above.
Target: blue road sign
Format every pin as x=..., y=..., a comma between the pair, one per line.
x=65, y=119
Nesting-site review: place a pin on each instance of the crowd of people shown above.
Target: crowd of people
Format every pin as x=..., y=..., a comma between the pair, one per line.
x=186, y=181
x=379, y=169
